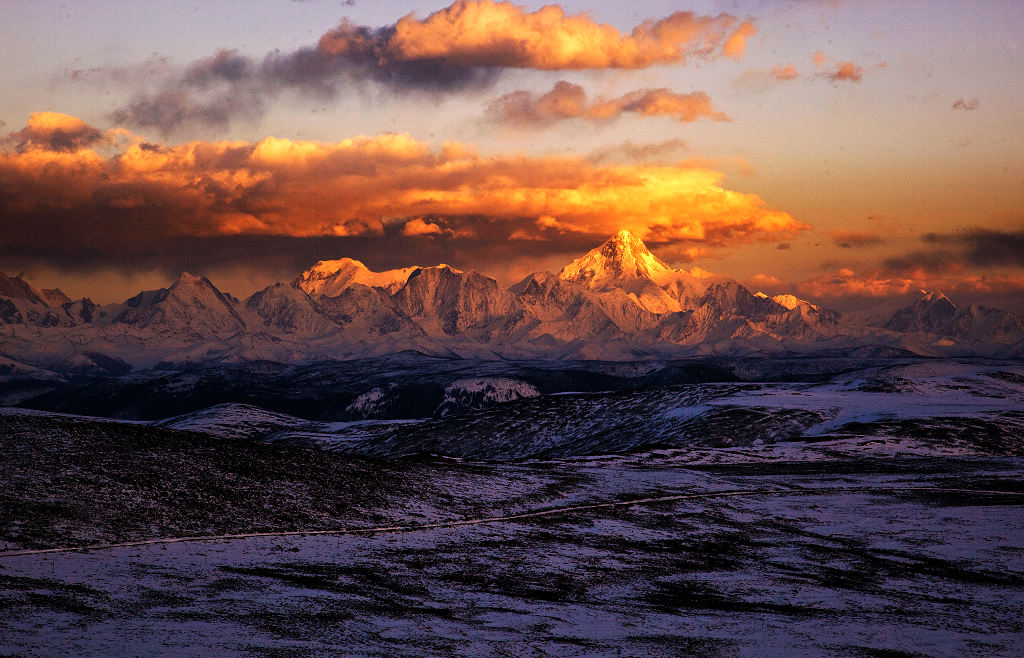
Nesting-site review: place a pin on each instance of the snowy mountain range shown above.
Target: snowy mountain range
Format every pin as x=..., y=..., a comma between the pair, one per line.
x=616, y=302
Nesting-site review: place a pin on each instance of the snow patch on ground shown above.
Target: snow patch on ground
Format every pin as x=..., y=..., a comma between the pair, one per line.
x=469, y=394
x=234, y=421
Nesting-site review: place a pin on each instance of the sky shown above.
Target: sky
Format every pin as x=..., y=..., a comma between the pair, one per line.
x=851, y=152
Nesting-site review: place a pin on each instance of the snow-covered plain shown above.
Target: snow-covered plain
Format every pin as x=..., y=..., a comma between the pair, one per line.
x=874, y=511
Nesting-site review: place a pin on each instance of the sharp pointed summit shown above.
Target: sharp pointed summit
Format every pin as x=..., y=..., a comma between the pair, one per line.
x=932, y=313
x=623, y=257
x=192, y=306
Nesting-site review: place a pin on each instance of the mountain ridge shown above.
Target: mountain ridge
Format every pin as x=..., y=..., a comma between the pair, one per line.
x=618, y=301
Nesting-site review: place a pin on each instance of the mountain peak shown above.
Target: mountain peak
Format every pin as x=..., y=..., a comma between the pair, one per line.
x=624, y=235
x=622, y=258
x=932, y=313
x=330, y=278
x=625, y=240
x=17, y=288
x=935, y=296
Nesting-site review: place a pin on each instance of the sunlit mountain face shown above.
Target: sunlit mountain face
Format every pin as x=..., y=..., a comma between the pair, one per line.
x=617, y=301
x=511, y=327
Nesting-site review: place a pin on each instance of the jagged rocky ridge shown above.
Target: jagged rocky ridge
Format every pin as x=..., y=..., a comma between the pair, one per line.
x=617, y=302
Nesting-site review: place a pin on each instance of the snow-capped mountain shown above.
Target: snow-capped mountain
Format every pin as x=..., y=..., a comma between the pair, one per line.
x=366, y=312
x=561, y=310
x=934, y=313
x=623, y=263
x=445, y=301
x=191, y=306
x=808, y=320
x=618, y=301
x=21, y=303
x=287, y=309
x=330, y=277
x=620, y=262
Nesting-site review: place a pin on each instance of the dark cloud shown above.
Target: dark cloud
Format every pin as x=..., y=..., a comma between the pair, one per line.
x=962, y=104
x=956, y=252
x=783, y=245
x=933, y=261
x=855, y=239
x=646, y=153
x=984, y=247
x=169, y=110
x=217, y=90
x=464, y=46
x=280, y=258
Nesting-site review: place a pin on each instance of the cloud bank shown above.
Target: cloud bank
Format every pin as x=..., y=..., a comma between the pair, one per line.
x=569, y=101
x=971, y=261
x=130, y=206
x=464, y=46
x=484, y=33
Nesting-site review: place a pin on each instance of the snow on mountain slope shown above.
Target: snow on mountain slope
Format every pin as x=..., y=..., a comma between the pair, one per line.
x=330, y=277
x=287, y=309
x=562, y=309
x=14, y=287
x=936, y=314
x=788, y=301
x=617, y=301
x=23, y=304
x=366, y=312
x=933, y=313
x=804, y=320
x=445, y=301
x=21, y=311
x=624, y=263
x=622, y=259
x=191, y=306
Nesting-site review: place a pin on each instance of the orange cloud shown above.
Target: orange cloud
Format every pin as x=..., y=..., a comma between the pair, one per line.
x=847, y=71
x=146, y=194
x=569, y=101
x=762, y=281
x=55, y=132
x=787, y=72
x=736, y=44
x=762, y=79
x=416, y=226
x=483, y=33
x=844, y=71
x=846, y=282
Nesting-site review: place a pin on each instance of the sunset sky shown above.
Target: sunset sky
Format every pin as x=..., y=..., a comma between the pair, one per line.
x=846, y=151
